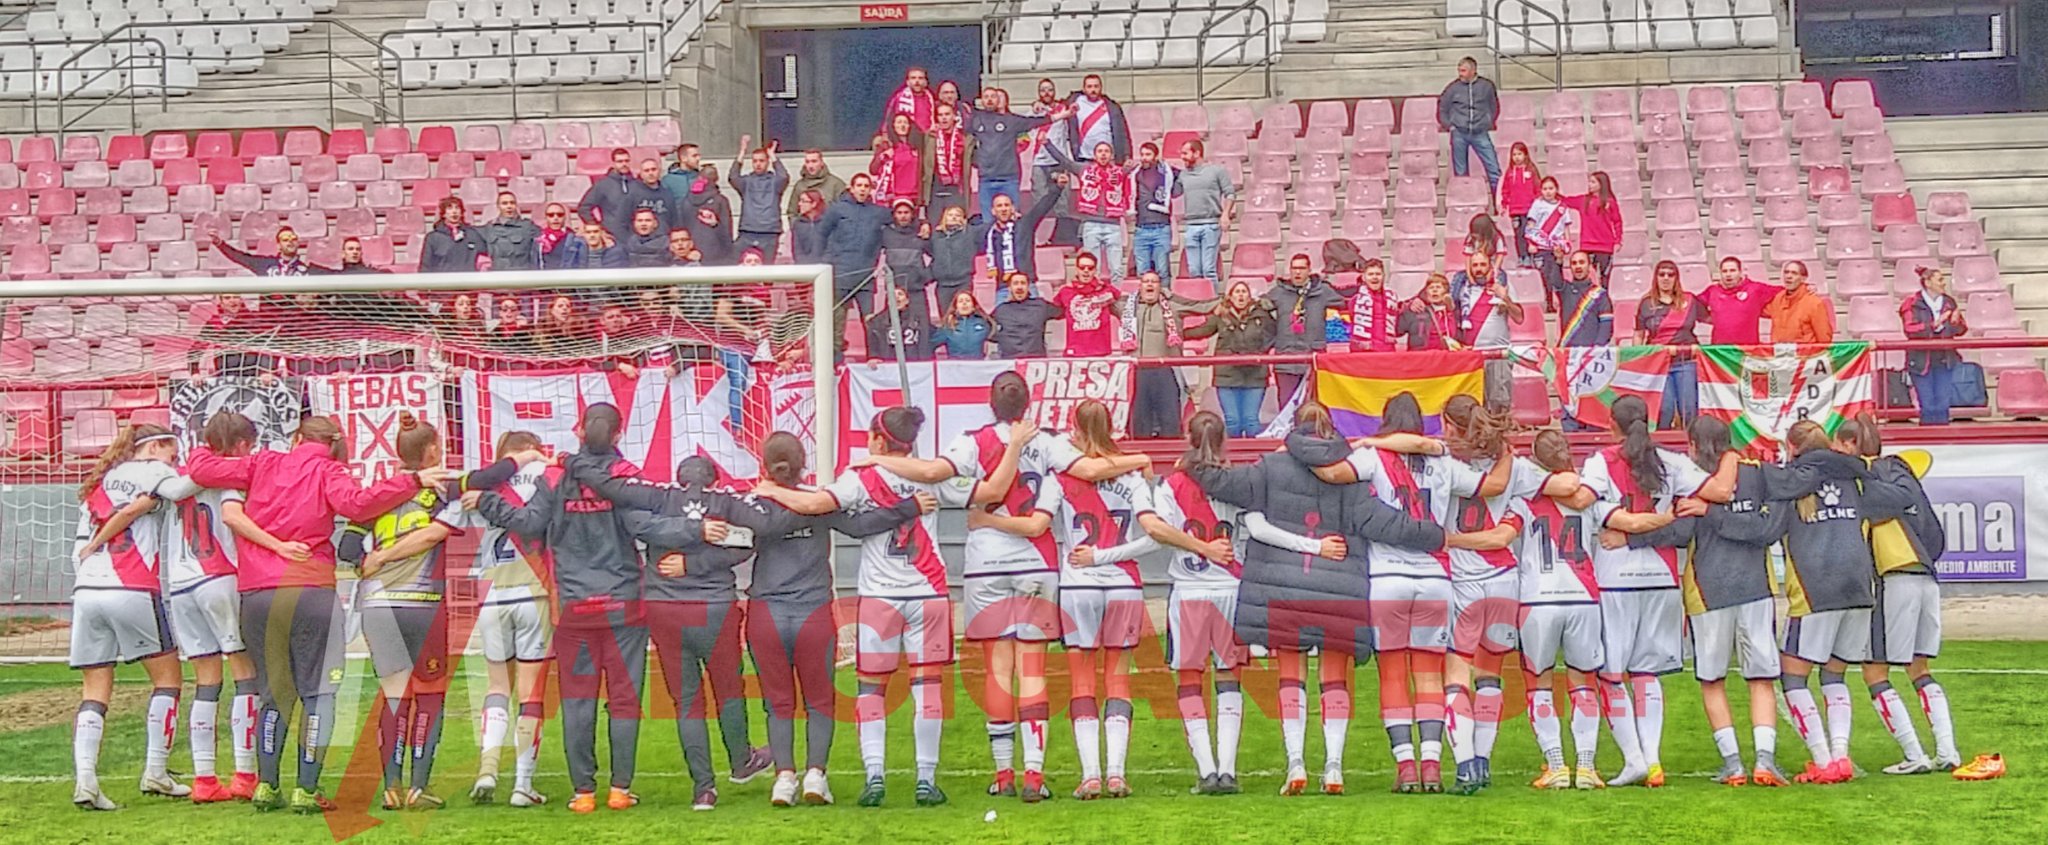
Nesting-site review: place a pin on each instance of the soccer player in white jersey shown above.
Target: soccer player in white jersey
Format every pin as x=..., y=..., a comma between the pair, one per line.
x=1201, y=612
x=1560, y=602
x=904, y=614
x=1641, y=610
x=1011, y=582
x=513, y=623
x=1411, y=590
x=117, y=608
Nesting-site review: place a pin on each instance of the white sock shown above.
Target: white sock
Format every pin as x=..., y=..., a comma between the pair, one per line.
x=242, y=721
x=1034, y=744
x=1892, y=710
x=1650, y=717
x=869, y=713
x=1487, y=703
x=1197, y=733
x=161, y=729
x=203, y=735
x=1002, y=744
x=927, y=725
x=1458, y=710
x=1806, y=720
x=1088, y=738
x=1934, y=700
x=1766, y=739
x=1543, y=722
x=85, y=744
x=496, y=720
x=1585, y=724
x=1229, y=725
x=1293, y=719
x=1840, y=708
x=1116, y=731
x=1336, y=704
x=1621, y=723
x=1724, y=742
x=1400, y=736
x=529, y=734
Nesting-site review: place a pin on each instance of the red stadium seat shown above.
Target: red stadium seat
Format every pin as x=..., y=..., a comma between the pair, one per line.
x=257, y=143
x=342, y=143
x=300, y=144
x=2023, y=393
x=28, y=434
x=1248, y=260
x=436, y=140
x=390, y=141
x=1531, y=401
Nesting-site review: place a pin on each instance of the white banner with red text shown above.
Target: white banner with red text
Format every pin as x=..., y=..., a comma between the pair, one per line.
x=954, y=396
x=367, y=407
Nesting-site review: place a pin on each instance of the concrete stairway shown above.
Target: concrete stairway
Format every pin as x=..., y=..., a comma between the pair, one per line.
x=2002, y=161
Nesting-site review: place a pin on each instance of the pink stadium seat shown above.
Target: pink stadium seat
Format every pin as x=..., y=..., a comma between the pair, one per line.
x=526, y=137
x=1266, y=197
x=28, y=433
x=128, y=258
x=164, y=146
x=301, y=143
x=19, y=230
x=222, y=172
x=481, y=138
x=1365, y=193
x=335, y=196
x=68, y=229
x=1731, y=213
x=111, y=229
x=1663, y=127
x=1961, y=239
x=661, y=133
x=436, y=140
x=1614, y=130
x=615, y=133
x=1616, y=158
x=1414, y=224
x=1762, y=124
x=257, y=143
x=1838, y=210
x=1862, y=122
x=1330, y=113
x=593, y=161
x=427, y=194
x=548, y=164
x=1685, y=246
x=1995, y=361
x=213, y=145
x=1628, y=283
x=77, y=260
x=1905, y=240
x=503, y=164
x=1706, y=99
x=1944, y=207
x=1669, y=155
x=377, y=251
x=1976, y=274
x=1613, y=102
x=569, y=189
x=1414, y=255
x=177, y=257
x=1525, y=285
x=1670, y=184
x=1719, y=154
x=30, y=260
x=1259, y=227
x=2023, y=393
x=1661, y=99
x=1825, y=151
x=478, y=194
x=459, y=164
x=1415, y=193
x=1743, y=243
x=91, y=433
x=1713, y=126
x=149, y=200
x=1531, y=400
x=1847, y=242
x=292, y=197
x=1756, y=97
x=1827, y=181
x=98, y=201
x=1517, y=107
x=1859, y=277
x=1320, y=196
x=1870, y=315
x=91, y=173
x=38, y=148
x=1867, y=150
x=1794, y=243
x=15, y=203
x=1805, y=94
x=1680, y=214
x=193, y=199
x=1364, y=225
x=355, y=222
x=241, y=199
x=1888, y=210
x=1991, y=310
x=162, y=228
x=1885, y=178
x=1777, y=182
x=270, y=170
x=1812, y=123
x=1722, y=183
x=389, y=141
x=362, y=167
x=134, y=173
x=1249, y=260
x=206, y=224
x=42, y=175
x=1419, y=163
x=342, y=143
x=530, y=191
x=1852, y=93
x=79, y=148
x=56, y=202
x=258, y=231
x=125, y=148
x=1273, y=168
x=569, y=135
x=407, y=167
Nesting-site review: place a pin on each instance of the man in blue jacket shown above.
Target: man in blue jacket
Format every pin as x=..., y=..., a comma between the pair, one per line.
x=852, y=228
x=1467, y=109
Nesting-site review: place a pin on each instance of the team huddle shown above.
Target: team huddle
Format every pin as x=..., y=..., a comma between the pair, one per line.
x=1438, y=557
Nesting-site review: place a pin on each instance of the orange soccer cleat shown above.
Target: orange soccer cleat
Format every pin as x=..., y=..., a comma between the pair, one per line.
x=243, y=787
x=207, y=790
x=1985, y=767
x=622, y=799
x=584, y=802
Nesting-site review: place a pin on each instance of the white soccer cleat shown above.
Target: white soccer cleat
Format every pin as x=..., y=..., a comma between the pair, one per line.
x=1297, y=780
x=784, y=792
x=1630, y=775
x=526, y=797
x=91, y=798
x=485, y=790
x=816, y=790
x=1919, y=766
x=164, y=786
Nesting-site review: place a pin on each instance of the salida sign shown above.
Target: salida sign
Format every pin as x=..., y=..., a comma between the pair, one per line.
x=884, y=12
x=367, y=408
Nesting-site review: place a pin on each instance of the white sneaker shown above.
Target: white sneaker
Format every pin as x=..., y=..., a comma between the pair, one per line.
x=164, y=786
x=1948, y=762
x=816, y=790
x=525, y=796
x=1917, y=766
x=1333, y=780
x=784, y=792
x=1630, y=775
x=90, y=798
x=485, y=790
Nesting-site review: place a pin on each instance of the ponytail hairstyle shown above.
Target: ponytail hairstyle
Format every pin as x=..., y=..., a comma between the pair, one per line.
x=782, y=459
x=1861, y=430
x=1205, y=441
x=1474, y=430
x=1632, y=419
x=1008, y=396
x=1552, y=450
x=126, y=443
x=1403, y=415
x=1807, y=436
x=417, y=442
x=601, y=428
x=326, y=432
x=1314, y=419
x=1710, y=440
x=516, y=441
x=1092, y=429
x=898, y=428
x=228, y=433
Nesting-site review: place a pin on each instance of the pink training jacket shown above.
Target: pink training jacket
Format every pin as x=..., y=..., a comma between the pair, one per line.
x=1597, y=232
x=295, y=496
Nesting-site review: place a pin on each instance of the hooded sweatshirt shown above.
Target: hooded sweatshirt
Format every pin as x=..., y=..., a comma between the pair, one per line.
x=953, y=252
x=649, y=250
x=597, y=567
x=513, y=243
x=295, y=496
x=760, y=197
x=713, y=239
x=611, y=201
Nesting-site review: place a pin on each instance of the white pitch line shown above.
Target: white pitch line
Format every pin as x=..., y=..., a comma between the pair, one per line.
x=1186, y=771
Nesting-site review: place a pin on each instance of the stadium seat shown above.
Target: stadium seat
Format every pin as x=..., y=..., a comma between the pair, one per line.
x=2023, y=393
x=1848, y=242
x=1945, y=207
x=1839, y=210
x=1870, y=315
x=1991, y=310
x=1852, y=93
x=1794, y=243
x=1962, y=239
x=1887, y=210
x=1976, y=274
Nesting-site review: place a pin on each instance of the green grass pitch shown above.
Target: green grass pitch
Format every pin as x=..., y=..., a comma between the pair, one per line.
x=1996, y=690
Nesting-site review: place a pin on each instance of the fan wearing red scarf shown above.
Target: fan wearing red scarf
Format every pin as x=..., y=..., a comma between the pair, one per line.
x=914, y=99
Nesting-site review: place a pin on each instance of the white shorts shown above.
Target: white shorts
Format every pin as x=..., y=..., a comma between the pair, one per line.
x=1907, y=620
x=888, y=630
x=1411, y=614
x=1201, y=629
x=207, y=618
x=1829, y=634
x=1111, y=617
x=1021, y=606
x=1485, y=615
x=117, y=626
x=520, y=631
x=1747, y=632
x=1572, y=628
x=1639, y=631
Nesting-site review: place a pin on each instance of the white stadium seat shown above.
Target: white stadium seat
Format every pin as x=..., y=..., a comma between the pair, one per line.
x=1715, y=22
x=1671, y=22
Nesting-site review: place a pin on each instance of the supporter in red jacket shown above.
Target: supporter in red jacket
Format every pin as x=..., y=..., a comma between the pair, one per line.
x=1599, y=223
x=1520, y=182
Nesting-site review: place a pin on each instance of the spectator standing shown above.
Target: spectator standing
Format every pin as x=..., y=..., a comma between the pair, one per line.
x=1798, y=315
x=963, y=331
x=562, y=332
x=683, y=252
x=1931, y=314
x=814, y=176
x=852, y=229
x=1668, y=316
x=596, y=249
x=952, y=248
x=1241, y=325
x=1587, y=308
x=896, y=163
x=647, y=245
x=913, y=99
x=708, y=217
x=948, y=155
x=912, y=324
x=1735, y=305
x=1153, y=192
x=1432, y=321
x=1300, y=302
x=1484, y=308
x=682, y=175
x=613, y=197
x=1152, y=320
x=1020, y=322
x=806, y=240
x=1090, y=303
x=1093, y=119
x=512, y=241
x=1467, y=109
x=555, y=231
x=1006, y=240
x=760, y=189
x=1519, y=184
x=1375, y=311
x=453, y=245
x=288, y=262
x=1599, y=218
x=1207, y=200
x=1053, y=134
x=949, y=95
x=906, y=251
x=1552, y=230
x=997, y=133
x=1102, y=200
x=351, y=260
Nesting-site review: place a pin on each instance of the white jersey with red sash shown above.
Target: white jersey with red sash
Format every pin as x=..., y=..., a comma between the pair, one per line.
x=974, y=457
x=1556, y=550
x=1550, y=224
x=516, y=569
x=129, y=560
x=1475, y=513
x=204, y=547
x=1100, y=515
x=903, y=563
x=1183, y=504
x=1425, y=492
x=1607, y=475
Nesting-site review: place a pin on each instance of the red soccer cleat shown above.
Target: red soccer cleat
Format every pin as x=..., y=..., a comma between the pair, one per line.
x=243, y=787
x=207, y=790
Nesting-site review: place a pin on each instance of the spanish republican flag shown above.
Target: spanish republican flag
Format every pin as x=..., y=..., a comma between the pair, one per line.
x=1355, y=386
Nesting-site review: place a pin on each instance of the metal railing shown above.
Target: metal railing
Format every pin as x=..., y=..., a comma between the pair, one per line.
x=1264, y=32
x=1491, y=26
x=1544, y=36
x=653, y=45
x=999, y=21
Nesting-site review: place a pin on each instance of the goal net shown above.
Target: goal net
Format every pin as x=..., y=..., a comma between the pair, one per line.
x=700, y=361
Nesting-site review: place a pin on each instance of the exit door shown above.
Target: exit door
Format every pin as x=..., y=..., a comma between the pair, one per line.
x=826, y=88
